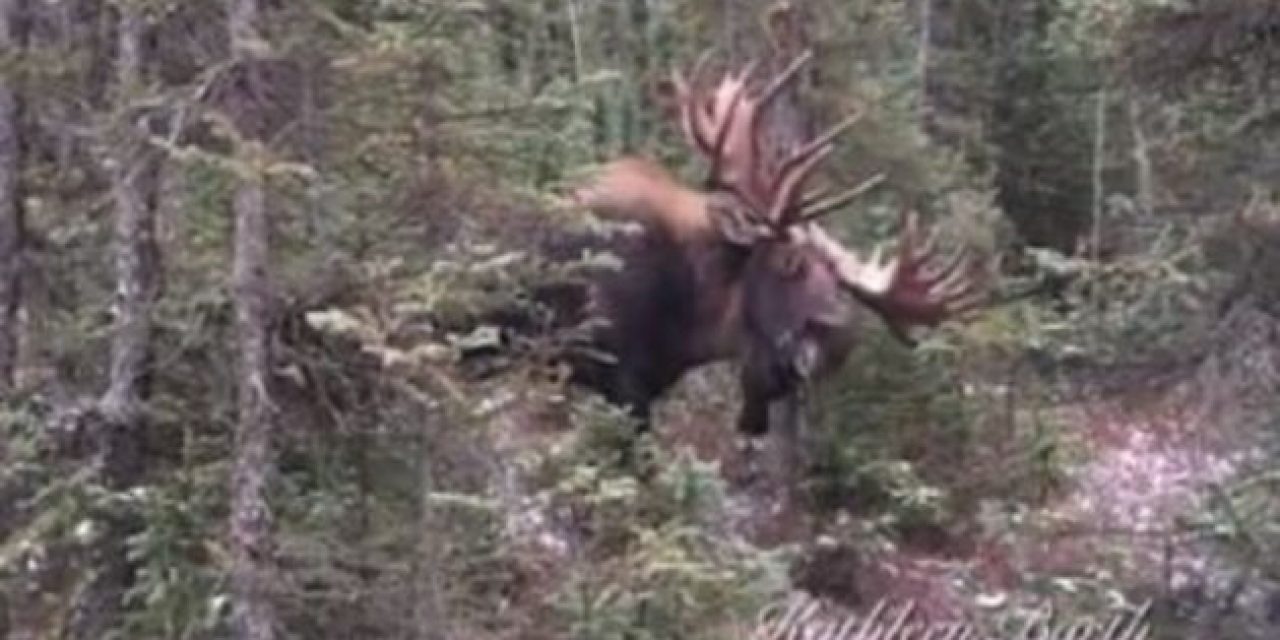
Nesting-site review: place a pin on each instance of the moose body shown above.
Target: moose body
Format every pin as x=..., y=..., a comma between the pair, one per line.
x=683, y=298
x=740, y=270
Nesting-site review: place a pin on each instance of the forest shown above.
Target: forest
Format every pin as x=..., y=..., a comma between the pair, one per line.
x=567, y=319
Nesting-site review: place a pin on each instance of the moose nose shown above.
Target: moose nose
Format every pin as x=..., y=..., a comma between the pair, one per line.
x=804, y=359
x=798, y=354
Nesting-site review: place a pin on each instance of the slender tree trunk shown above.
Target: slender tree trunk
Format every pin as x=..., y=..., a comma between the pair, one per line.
x=134, y=177
x=1099, y=166
x=137, y=257
x=923, y=55
x=1144, y=173
x=252, y=573
x=254, y=462
x=11, y=222
x=429, y=619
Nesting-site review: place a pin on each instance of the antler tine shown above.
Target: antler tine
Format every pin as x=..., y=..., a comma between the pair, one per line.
x=790, y=182
x=723, y=123
x=783, y=79
x=815, y=208
x=966, y=295
x=796, y=168
x=691, y=110
x=950, y=282
x=972, y=299
x=947, y=275
x=966, y=289
x=701, y=63
x=913, y=286
x=688, y=111
x=912, y=251
x=766, y=97
x=819, y=142
x=727, y=119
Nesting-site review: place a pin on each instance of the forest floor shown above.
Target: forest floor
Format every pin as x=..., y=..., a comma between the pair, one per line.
x=1142, y=465
x=1119, y=526
x=1142, y=468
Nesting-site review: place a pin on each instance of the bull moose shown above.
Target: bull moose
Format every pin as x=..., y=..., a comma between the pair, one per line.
x=740, y=269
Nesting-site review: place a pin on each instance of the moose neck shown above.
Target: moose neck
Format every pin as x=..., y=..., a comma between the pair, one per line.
x=717, y=270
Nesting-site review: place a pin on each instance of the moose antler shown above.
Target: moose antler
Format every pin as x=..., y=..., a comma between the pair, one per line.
x=914, y=287
x=724, y=126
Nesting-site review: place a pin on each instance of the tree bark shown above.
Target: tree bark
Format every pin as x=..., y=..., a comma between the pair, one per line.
x=429, y=620
x=1099, y=200
x=923, y=55
x=137, y=257
x=118, y=433
x=252, y=574
x=11, y=214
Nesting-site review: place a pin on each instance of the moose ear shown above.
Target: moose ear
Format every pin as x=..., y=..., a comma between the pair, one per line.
x=734, y=225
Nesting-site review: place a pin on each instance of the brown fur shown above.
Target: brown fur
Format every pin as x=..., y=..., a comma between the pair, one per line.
x=740, y=271
x=638, y=189
x=687, y=296
x=674, y=305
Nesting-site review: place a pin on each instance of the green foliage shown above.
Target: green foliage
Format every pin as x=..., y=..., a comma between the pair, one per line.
x=1136, y=307
x=423, y=149
x=873, y=417
x=179, y=589
x=651, y=555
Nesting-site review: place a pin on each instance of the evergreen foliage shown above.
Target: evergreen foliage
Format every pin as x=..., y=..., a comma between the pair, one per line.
x=1116, y=159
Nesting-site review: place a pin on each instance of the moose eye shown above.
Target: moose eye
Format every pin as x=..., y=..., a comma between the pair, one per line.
x=789, y=264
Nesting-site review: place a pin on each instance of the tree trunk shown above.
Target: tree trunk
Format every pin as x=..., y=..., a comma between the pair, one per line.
x=1099, y=190
x=429, y=620
x=119, y=432
x=254, y=464
x=252, y=574
x=923, y=55
x=11, y=222
x=137, y=258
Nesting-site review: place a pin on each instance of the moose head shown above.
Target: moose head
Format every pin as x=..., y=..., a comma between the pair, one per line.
x=741, y=269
